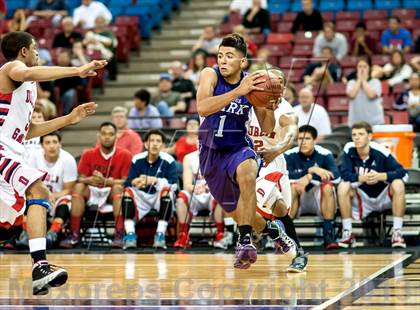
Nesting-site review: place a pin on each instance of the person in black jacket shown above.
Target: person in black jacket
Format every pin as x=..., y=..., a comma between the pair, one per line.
x=257, y=19
x=308, y=19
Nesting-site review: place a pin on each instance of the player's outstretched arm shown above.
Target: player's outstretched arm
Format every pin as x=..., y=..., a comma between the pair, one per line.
x=78, y=113
x=19, y=72
x=208, y=104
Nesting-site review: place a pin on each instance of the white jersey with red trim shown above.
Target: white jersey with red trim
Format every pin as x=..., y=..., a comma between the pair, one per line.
x=16, y=110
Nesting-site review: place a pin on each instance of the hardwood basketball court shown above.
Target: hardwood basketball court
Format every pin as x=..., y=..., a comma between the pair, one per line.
x=190, y=280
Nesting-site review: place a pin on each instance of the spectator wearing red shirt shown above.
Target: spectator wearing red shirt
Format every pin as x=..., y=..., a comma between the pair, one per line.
x=127, y=138
x=187, y=143
x=102, y=172
x=3, y=9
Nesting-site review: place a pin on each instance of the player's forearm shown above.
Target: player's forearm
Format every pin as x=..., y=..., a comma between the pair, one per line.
x=41, y=129
x=42, y=74
x=211, y=105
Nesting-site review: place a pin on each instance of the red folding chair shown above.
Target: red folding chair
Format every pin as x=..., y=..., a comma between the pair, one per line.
x=289, y=17
x=302, y=50
x=336, y=89
x=336, y=104
x=404, y=13
x=347, y=15
x=375, y=15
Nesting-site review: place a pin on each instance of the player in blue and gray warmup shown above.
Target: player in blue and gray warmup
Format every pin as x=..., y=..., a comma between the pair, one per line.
x=227, y=159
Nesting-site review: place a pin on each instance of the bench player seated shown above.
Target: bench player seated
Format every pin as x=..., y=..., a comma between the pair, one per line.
x=372, y=181
x=313, y=174
x=102, y=172
x=61, y=177
x=194, y=198
x=151, y=184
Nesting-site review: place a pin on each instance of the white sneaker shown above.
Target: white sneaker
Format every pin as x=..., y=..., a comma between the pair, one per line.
x=225, y=242
x=397, y=239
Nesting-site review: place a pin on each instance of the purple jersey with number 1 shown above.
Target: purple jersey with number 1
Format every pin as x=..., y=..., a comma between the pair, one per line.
x=225, y=144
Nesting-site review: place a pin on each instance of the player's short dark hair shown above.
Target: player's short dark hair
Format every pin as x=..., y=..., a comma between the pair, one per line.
x=309, y=129
x=13, y=42
x=155, y=132
x=236, y=41
x=396, y=18
x=54, y=133
x=105, y=124
x=362, y=125
x=143, y=95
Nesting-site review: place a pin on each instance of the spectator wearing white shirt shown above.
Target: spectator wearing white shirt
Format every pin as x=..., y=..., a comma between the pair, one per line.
x=330, y=38
x=319, y=118
x=84, y=16
x=241, y=6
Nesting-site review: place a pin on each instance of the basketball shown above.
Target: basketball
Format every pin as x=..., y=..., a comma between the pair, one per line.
x=272, y=91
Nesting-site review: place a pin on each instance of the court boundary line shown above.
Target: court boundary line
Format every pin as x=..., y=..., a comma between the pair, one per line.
x=356, y=286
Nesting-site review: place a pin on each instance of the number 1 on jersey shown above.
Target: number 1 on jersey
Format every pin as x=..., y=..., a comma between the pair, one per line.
x=219, y=132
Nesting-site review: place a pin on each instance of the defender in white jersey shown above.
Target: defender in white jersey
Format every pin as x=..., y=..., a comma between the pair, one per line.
x=18, y=182
x=194, y=198
x=273, y=185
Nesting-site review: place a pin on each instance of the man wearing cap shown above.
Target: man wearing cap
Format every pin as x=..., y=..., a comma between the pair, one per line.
x=167, y=101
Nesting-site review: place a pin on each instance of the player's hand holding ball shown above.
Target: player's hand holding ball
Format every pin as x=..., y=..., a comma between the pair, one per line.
x=266, y=89
x=248, y=83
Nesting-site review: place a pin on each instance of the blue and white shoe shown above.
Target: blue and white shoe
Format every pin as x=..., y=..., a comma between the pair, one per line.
x=283, y=244
x=159, y=241
x=130, y=241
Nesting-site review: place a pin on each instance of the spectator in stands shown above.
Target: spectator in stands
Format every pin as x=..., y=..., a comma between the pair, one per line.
x=102, y=172
x=187, y=143
x=103, y=40
x=362, y=43
x=127, y=138
x=395, y=72
x=68, y=36
x=396, y=37
x=330, y=38
x=196, y=197
x=85, y=15
x=3, y=9
x=309, y=19
x=34, y=145
x=198, y=63
x=290, y=94
x=167, y=101
x=53, y=9
x=308, y=110
x=151, y=184
x=257, y=19
x=315, y=72
x=365, y=102
x=372, y=181
x=417, y=45
x=410, y=100
x=61, y=177
x=18, y=22
x=208, y=41
x=180, y=84
x=415, y=63
x=261, y=61
x=313, y=174
x=143, y=115
x=43, y=101
x=252, y=47
x=78, y=57
x=241, y=6
x=67, y=86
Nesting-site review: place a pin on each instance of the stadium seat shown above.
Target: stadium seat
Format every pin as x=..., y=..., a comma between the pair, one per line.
x=398, y=89
x=347, y=15
x=410, y=24
x=376, y=25
x=336, y=89
x=338, y=104
x=288, y=17
x=258, y=39
x=380, y=59
x=120, y=3
x=346, y=25
x=404, y=13
x=385, y=88
x=225, y=29
x=302, y=50
x=387, y=4
x=348, y=62
x=375, y=15
x=294, y=75
x=274, y=20
x=38, y=26
x=284, y=27
x=286, y=61
x=338, y=137
x=302, y=38
x=279, y=38
x=413, y=177
x=411, y=4
x=328, y=16
x=387, y=102
x=131, y=23
x=235, y=18
x=359, y=5
x=343, y=129
x=399, y=117
x=332, y=146
x=116, y=11
x=331, y=5
x=278, y=7
x=192, y=107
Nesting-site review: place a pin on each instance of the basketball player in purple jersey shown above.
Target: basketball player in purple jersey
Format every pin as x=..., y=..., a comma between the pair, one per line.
x=227, y=159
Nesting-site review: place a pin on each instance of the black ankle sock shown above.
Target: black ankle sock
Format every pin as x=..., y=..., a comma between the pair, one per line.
x=289, y=227
x=230, y=228
x=245, y=232
x=37, y=256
